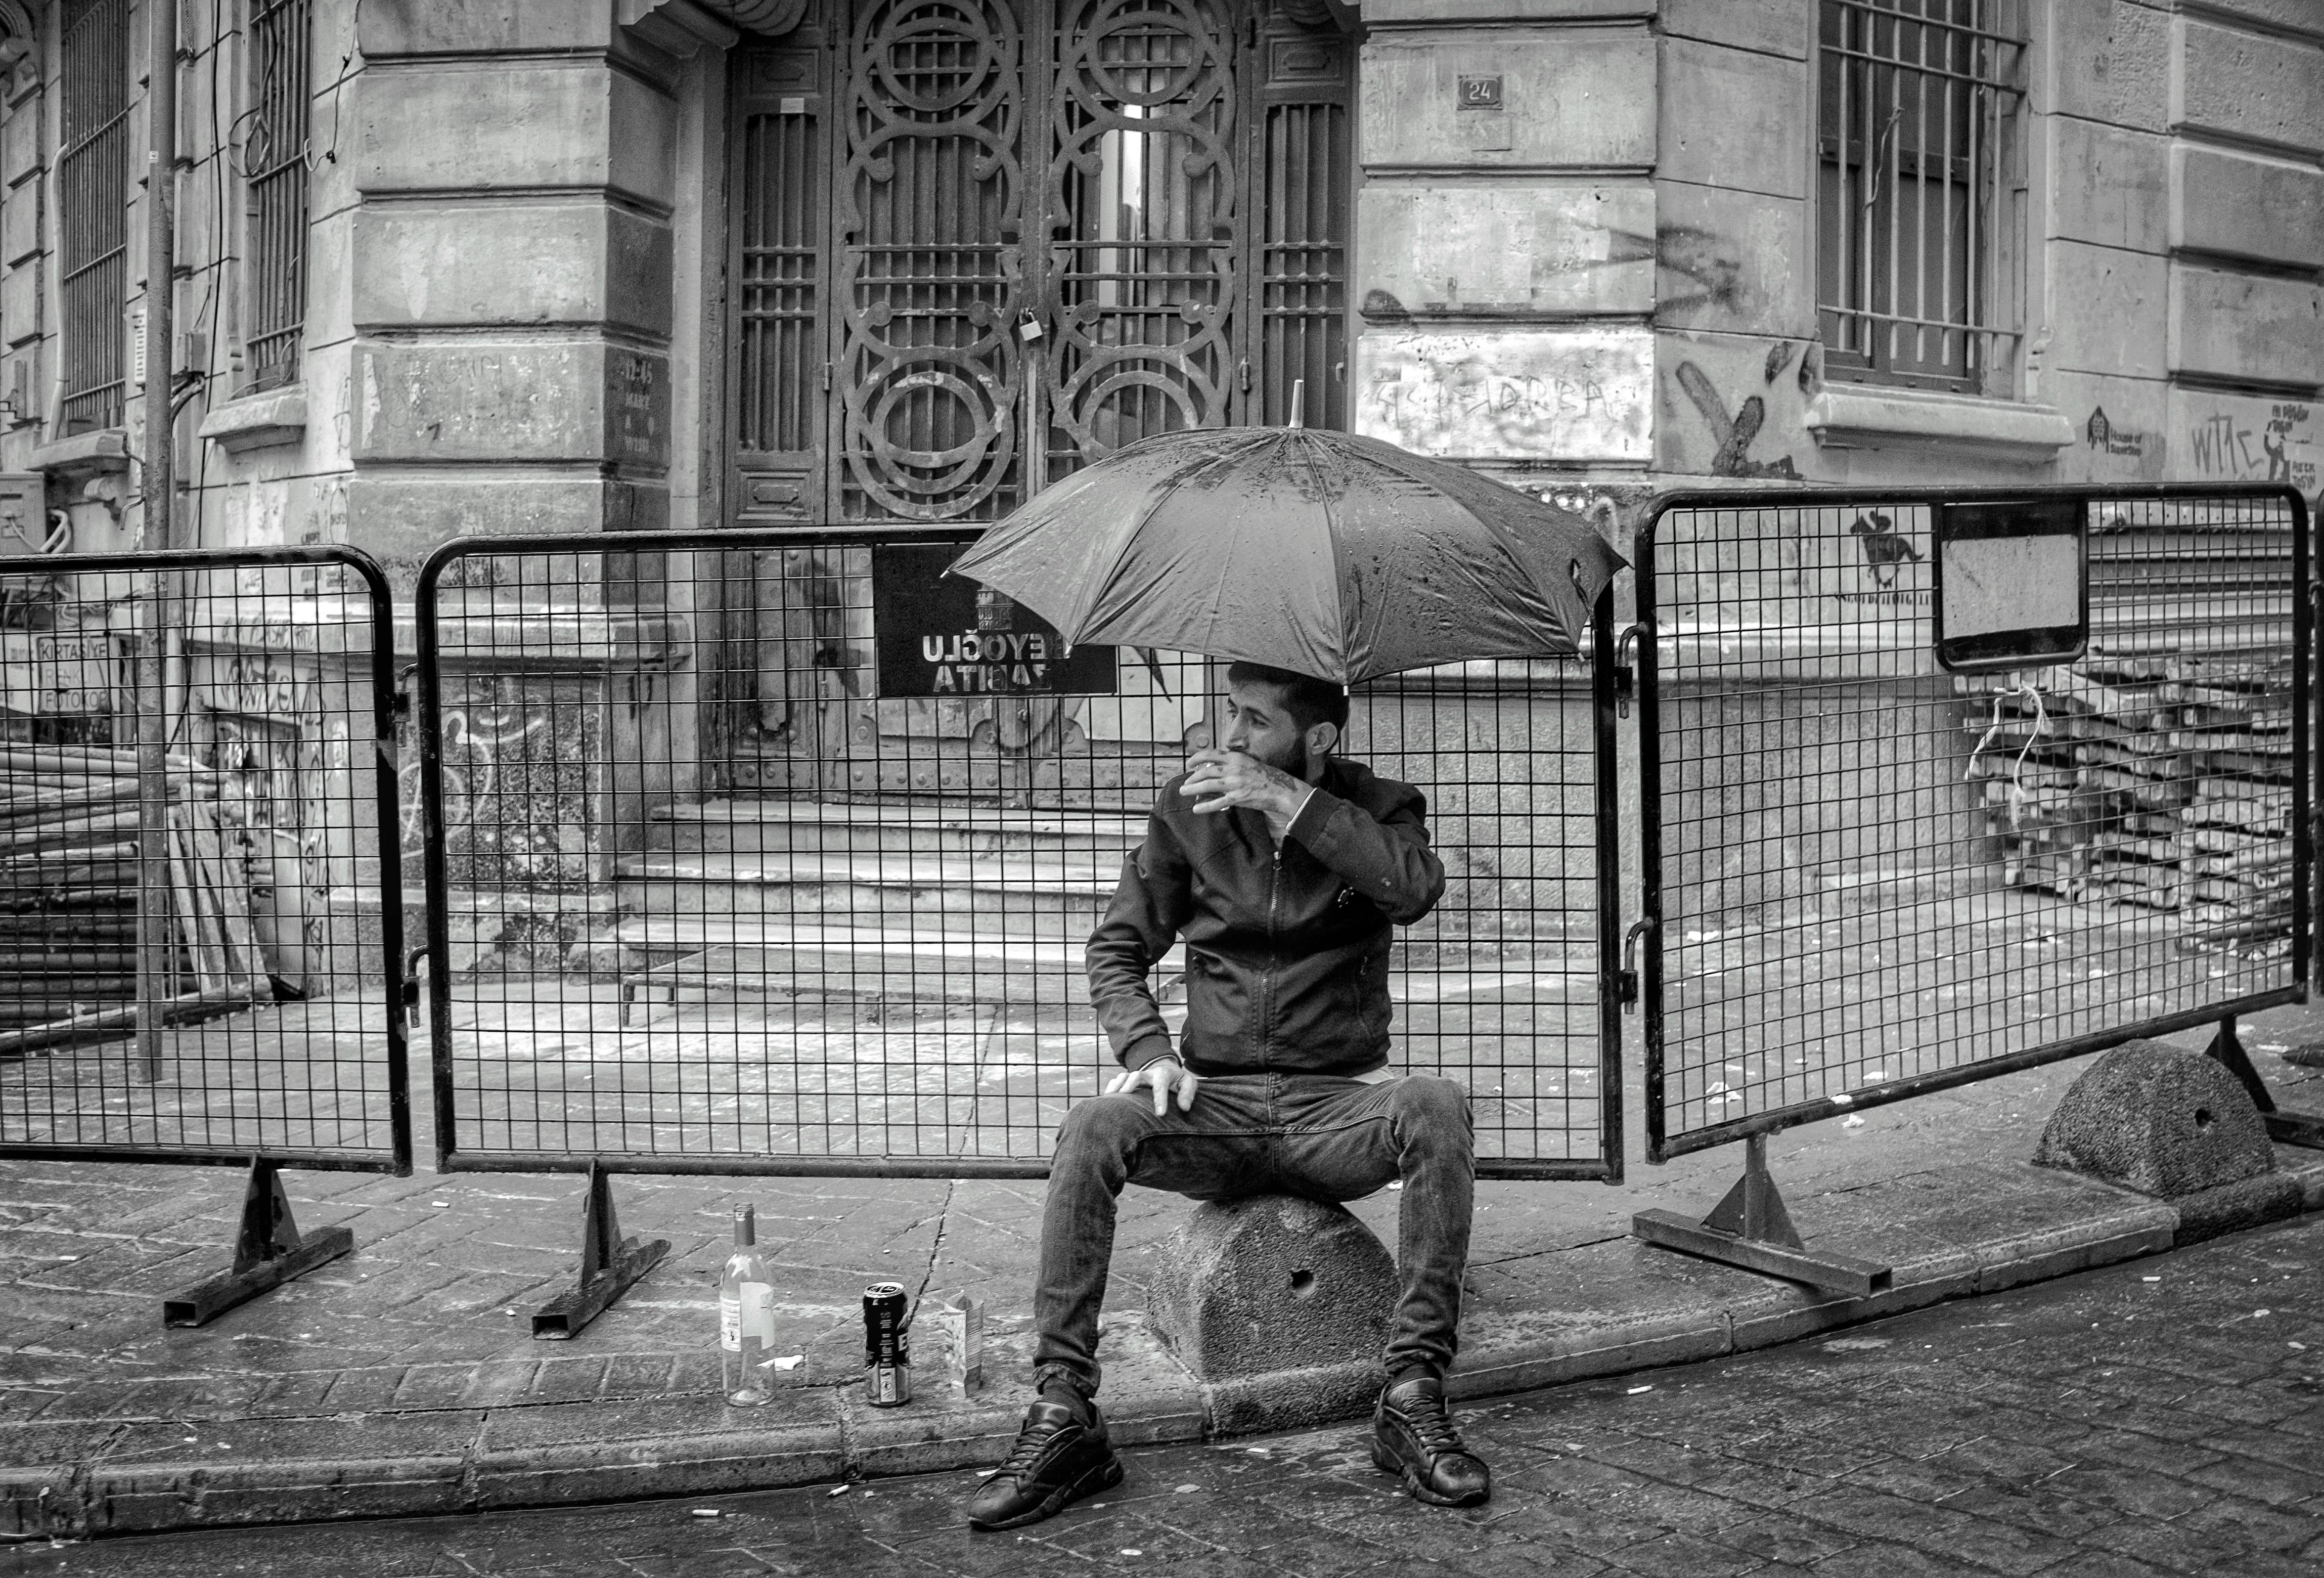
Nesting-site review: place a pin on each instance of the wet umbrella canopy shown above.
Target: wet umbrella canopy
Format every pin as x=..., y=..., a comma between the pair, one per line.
x=1321, y=552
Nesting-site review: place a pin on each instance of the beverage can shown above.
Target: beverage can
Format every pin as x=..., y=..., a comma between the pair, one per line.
x=887, y=1345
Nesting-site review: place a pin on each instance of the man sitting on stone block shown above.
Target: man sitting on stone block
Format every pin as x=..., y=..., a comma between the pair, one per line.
x=1283, y=870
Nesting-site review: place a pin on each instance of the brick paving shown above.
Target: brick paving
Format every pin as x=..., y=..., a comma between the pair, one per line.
x=2163, y=1416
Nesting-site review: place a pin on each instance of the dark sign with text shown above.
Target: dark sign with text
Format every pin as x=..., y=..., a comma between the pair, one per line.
x=946, y=635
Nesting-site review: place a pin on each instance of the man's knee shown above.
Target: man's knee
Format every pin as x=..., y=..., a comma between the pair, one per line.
x=1105, y=1126
x=1427, y=1106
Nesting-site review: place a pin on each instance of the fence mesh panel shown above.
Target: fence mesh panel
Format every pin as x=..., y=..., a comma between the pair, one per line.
x=779, y=852
x=197, y=907
x=1874, y=874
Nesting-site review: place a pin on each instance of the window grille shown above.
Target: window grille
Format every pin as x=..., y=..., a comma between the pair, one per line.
x=93, y=191
x=274, y=162
x=1918, y=131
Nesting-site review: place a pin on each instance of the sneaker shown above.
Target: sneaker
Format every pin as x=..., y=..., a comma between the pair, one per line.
x=1412, y=1436
x=1062, y=1455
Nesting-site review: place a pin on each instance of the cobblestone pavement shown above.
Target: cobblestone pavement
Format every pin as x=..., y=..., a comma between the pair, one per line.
x=2165, y=1416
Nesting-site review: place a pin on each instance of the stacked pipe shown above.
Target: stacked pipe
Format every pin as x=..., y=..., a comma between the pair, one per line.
x=69, y=880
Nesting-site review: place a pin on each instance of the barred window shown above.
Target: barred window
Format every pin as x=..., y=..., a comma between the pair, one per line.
x=275, y=165
x=1919, y=110
x=93, y=203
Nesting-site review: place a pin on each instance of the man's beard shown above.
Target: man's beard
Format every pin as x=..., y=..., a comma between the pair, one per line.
x=1294, y=761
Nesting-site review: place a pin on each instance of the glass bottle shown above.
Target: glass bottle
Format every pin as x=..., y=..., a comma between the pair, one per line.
x=746, y=1314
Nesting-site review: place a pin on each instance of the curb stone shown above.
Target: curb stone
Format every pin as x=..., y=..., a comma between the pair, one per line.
x=466, y=1460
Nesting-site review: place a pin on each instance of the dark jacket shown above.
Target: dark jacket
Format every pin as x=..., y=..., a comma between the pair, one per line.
x=1286, y=951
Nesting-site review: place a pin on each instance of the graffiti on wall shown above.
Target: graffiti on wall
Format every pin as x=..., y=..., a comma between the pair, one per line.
x=2255, y=440
x=1550, y=395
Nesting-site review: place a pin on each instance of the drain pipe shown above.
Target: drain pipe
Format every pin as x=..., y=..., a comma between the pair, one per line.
x=160, y=489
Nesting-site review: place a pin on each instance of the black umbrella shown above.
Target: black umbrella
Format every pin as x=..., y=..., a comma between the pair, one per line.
x=1320, y=552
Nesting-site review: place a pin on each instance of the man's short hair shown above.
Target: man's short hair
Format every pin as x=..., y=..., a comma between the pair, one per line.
x=1309, y=700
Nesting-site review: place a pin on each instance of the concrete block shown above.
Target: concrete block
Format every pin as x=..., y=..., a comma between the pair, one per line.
x=1391, y=11
x=2245, y=205
x=20, y=226
x=511, y=262
x=400, y=518
x=2247, y=85
x=2242, y=437
x=1585, y=98
x=2107, y=186
x=1734, y=119
x=20, y=143
x=2241, y=326
x=2302, y=17
x=1733, y=405
x=21, y=300
x=2102, y=305
x=2110, y=61
x=1736, y=261
x=1772, y=27
x=330, y=277
x=1270, y=1282
x=2121, y=426
x=533, y=400
x=532, y=125
x=2160, y=1120
x=389, y=29
x=1565, y=393
x=1549, y=247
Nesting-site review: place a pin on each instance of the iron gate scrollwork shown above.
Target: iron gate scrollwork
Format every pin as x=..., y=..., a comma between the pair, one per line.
x=980, y=242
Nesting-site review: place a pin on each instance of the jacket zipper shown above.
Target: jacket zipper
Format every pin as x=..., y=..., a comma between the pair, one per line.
x=1266, y=982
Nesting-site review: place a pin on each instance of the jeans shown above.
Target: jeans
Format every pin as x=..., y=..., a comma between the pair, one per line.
x=1314, y=1135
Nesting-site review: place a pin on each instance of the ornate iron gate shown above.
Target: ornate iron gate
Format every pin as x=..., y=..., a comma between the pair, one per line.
x=978, y=241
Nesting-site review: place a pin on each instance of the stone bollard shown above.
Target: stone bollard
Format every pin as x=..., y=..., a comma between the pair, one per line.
x=2175, y=1125
x=1270, y=1283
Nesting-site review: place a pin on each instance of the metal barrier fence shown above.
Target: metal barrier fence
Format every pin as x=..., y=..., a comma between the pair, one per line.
x=1869, y=878
x=776, y=852
x=200, y=954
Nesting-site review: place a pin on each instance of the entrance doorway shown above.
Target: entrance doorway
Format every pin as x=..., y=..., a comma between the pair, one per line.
x=977, y=242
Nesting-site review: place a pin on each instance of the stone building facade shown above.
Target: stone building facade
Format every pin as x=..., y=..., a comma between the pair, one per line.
x=508, y=267
x=1591, y=243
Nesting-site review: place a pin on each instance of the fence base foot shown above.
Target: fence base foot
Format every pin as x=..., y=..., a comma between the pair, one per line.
x=268, y=1252
x=1750, y=1229
x=2301, y=1129
x=609, y=1264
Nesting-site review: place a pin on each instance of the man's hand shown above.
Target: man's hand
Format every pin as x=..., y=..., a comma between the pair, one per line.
x=1163, y=1073
x=1221, y=780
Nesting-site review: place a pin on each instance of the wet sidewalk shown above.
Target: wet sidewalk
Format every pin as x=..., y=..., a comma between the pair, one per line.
x=404, y=1379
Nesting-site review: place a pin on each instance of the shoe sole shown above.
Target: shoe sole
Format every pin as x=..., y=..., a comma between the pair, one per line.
x=1387, y=1463
x=1105, y=1476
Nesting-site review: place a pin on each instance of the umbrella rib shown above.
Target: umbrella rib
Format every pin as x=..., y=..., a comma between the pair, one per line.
x=1338, y=569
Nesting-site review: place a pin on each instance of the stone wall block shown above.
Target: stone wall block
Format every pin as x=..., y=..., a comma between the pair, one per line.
x=2102, y=305
x=2244, y=84
x=330, y=277
x=20, y=141
x=401, y=517
x=1563, y=247
x=393, y=28
x=2110, y=61
x=2122, y=427
x=1732, y=261
x=1583, y=99
x=2107, y=186
x=486, y=263
x=20, y=307
x=1735, y=405
x=1377, y=11
x=577, y=399
x=530, y=124
x=1773, y=27
x=2241, y=326
x=1248, y=1283
x=1733, y=119
x=2245, y=206
x=20, y=224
